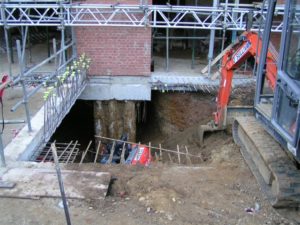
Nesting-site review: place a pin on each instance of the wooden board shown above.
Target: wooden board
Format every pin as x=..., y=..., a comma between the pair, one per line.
x=218, y=57
x=35, y=183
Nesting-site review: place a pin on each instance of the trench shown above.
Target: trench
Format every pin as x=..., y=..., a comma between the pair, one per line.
x=169, y=120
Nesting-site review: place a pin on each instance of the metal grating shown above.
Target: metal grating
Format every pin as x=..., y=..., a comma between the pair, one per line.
x=66, y=152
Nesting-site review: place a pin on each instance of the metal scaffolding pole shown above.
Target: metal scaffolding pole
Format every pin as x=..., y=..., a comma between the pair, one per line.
x=194, y=43
x=212, y=41
x=74, y=39
x=167, y=49
x=224, y=28
x=25, y=97
x=122, y=15
x=2, y=157
x=8, y=49
x=167, y=43
x=234, y=33
x=62, y=27
x=24, y=38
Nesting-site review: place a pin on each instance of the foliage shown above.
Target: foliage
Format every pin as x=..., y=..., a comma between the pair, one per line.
x=78, y=66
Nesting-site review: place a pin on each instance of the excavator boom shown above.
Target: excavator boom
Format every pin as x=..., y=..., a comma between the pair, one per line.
x=249, y=45
x=270, y=140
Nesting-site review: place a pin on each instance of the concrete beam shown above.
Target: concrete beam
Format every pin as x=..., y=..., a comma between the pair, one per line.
x=118, y=88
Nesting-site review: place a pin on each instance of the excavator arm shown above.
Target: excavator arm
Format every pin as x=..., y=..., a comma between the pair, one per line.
x=249, y=44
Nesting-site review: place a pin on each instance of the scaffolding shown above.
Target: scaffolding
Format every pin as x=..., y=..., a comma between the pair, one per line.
x=229, y=17
x=67, y=15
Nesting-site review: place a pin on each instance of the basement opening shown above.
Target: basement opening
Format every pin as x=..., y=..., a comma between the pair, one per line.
x=167, y=127
x=72, y=136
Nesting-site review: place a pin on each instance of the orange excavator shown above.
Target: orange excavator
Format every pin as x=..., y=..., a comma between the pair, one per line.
x=269, y=138
x=249, y=44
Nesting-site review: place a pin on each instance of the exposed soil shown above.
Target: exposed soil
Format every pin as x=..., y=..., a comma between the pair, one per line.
x=217, y=189
x=213, y=193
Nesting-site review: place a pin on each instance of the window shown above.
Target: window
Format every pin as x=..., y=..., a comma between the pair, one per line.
x=292, y=54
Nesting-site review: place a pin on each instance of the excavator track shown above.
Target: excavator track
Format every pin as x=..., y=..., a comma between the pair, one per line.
x=275, y=172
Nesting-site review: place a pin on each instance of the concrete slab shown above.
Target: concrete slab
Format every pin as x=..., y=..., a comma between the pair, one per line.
x=117, y=87
x=35, y=183
x=39, y=53
x=194, y=83
x=25, y=142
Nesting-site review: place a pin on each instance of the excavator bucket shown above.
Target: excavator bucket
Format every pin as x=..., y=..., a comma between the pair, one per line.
x=231, y=113
x=204, y=129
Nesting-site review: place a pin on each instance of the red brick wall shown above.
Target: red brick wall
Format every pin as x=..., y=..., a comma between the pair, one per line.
x=116, y=50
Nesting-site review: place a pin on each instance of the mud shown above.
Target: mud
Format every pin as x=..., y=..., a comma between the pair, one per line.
x=114, y=118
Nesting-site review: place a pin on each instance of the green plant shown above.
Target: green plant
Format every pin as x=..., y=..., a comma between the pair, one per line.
x=76, y=66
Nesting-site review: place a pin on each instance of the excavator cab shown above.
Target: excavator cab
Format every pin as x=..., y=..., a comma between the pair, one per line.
x=282, y=120
x=277, y=94
x=274, y=130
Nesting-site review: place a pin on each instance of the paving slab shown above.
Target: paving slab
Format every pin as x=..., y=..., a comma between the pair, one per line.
x=35, y=183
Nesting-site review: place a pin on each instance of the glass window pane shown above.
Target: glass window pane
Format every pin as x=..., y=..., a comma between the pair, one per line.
x=287, y=113
x=292, y=58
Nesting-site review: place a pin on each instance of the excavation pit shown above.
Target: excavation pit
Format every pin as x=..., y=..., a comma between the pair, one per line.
x=167, y=125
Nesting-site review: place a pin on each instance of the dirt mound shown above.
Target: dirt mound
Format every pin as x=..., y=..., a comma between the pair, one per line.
x=190, y=138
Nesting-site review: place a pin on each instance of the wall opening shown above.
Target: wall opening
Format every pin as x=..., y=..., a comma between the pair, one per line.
x=169, y=120
x=72, y=136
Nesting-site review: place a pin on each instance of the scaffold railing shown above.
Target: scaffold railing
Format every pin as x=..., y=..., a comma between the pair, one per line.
x=159, y=16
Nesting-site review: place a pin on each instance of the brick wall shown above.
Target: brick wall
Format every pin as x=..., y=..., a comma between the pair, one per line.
x=116, y=50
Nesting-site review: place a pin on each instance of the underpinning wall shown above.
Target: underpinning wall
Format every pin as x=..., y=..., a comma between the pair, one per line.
x=114, y=118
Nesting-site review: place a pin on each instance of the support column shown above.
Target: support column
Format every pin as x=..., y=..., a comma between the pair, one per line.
x=211, y=42
x=234, y=33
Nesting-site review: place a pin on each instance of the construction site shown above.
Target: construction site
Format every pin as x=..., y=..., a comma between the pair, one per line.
x=149, y=112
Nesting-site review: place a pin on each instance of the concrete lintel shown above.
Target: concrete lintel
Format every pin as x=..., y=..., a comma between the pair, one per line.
x=117, y=87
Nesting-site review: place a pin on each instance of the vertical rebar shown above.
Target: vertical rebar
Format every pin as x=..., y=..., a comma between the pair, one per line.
x=150, y=153
x=112, y=150
x=61, y=184
x=170, y=157
x=123, y=154
x=72, y=150
x=160, y=152
x=178, y=154
x=188, y=159
x=66, y=148
x=97, y=152
x=84, y=154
